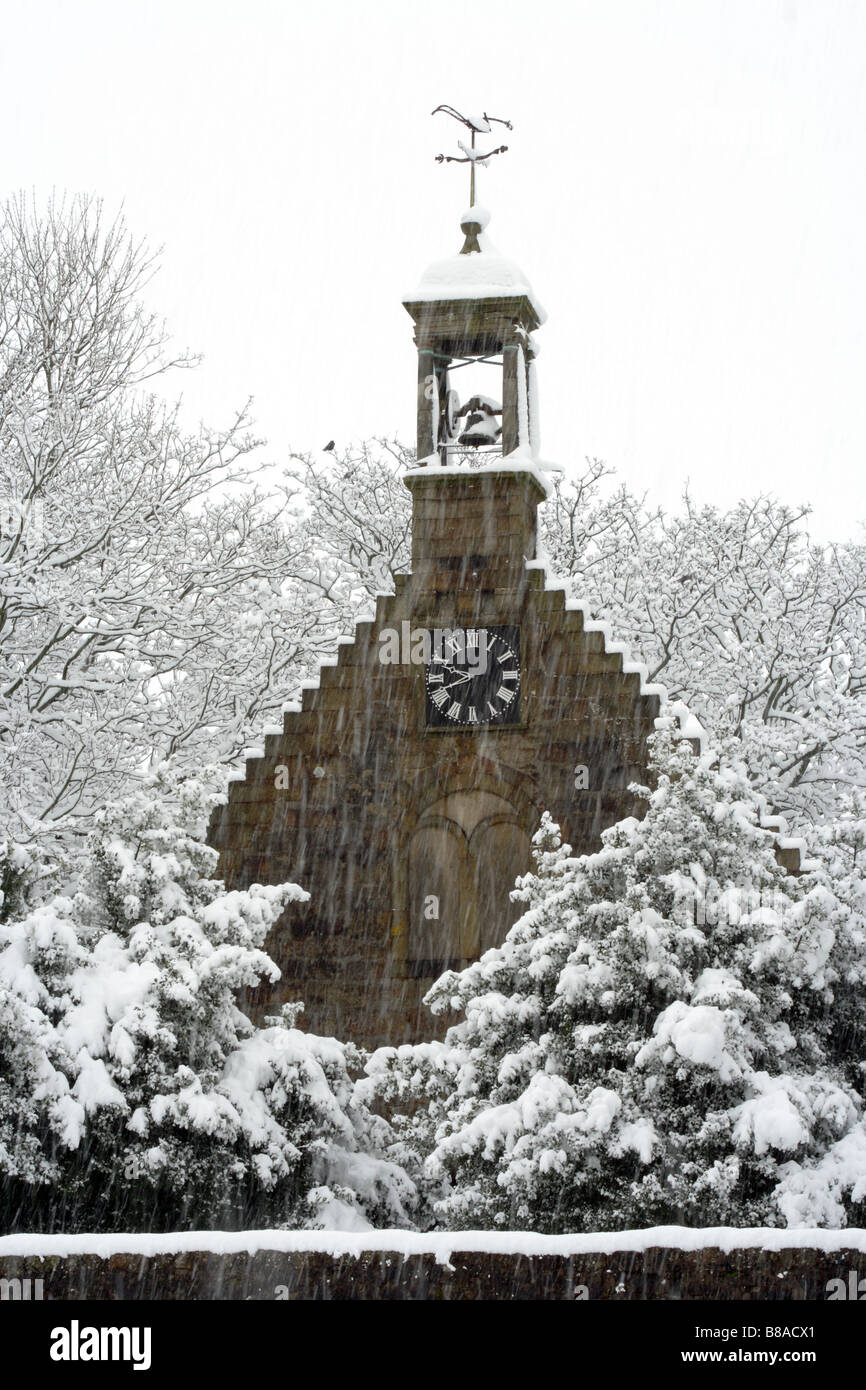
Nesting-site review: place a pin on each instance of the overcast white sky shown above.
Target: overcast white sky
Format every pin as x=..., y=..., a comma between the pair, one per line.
x=685, y=188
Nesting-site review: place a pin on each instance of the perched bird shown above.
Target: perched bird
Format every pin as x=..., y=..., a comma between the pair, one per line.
x=328, y=447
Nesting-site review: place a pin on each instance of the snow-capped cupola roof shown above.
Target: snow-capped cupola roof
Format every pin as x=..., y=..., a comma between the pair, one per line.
x=478, y=271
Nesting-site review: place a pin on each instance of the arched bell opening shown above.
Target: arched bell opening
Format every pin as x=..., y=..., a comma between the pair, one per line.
x=481, y=426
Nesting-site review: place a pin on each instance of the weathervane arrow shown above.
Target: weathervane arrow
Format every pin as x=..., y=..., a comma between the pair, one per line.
x=476, y=125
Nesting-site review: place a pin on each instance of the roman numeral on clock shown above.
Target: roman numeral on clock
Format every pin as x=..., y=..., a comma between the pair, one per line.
x=504, y=693
x=454, y=710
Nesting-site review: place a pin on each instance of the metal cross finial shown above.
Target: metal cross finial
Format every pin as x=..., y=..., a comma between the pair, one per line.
x=476, y=125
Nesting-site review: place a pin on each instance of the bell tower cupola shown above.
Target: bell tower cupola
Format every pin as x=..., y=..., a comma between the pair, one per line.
x=475, y=307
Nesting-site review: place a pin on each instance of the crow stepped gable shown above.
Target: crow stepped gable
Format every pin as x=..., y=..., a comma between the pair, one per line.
x=404, y=793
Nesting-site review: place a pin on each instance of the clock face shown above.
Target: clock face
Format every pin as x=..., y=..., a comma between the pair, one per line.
x=473, y=678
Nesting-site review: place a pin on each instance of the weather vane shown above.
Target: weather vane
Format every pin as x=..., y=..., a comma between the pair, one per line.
x=476, y=125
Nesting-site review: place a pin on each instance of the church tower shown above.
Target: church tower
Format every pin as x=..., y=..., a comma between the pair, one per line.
x=475, y=307
x=404, y=793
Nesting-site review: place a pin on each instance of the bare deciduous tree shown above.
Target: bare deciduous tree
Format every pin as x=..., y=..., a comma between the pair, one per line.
x=153, y=601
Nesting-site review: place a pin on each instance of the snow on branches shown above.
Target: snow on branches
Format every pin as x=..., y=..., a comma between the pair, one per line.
x=662, y=1037
x=154, y=601
x=133, y=1089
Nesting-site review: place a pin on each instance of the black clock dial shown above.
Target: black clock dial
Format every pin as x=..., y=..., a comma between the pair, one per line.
x=473, y=678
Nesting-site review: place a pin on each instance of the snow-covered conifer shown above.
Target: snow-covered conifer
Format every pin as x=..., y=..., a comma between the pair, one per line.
x=654, y=1041
x=165, y=1104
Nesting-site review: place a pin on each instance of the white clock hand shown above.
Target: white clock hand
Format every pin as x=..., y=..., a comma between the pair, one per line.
x=461, y=680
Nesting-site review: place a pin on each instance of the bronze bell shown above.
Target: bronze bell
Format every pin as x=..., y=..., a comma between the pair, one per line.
x=480, y=430
x=482, y=427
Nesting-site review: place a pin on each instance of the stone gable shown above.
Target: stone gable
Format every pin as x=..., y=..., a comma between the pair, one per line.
x=407, y=837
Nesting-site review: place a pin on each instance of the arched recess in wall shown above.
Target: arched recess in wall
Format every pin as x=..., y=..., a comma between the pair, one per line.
x=464, y=854
x=438, y=896
x=500, y=851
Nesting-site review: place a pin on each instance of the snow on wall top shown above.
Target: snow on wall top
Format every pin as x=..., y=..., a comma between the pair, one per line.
x=690, y=725
x=440, y=1244
x=520, y=460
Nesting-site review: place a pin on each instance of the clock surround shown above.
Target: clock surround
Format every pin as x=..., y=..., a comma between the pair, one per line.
x=474, y=679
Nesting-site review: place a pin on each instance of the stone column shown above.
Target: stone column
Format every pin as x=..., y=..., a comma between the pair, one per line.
x=428, y=403
x=511, y=366
x=532, y=397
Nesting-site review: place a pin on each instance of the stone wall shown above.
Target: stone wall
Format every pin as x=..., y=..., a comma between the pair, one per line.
x=657, y=1273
